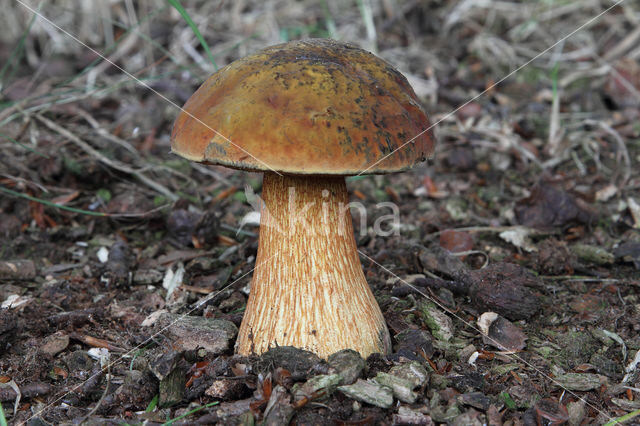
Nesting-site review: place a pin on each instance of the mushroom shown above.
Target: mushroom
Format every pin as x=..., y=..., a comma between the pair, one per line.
x=307, y=114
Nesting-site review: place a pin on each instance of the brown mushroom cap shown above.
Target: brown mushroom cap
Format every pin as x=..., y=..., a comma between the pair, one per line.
x=305, y=107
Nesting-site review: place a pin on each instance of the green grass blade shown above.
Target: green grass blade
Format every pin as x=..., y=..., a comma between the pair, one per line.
x=51, y=204
x=23, y=145
x=176, y=4
x=3, y=419
x=152, y=405
x=195, y=410
x=128, y=30
x=332, y=29
x=16, y=53
x=621, y=420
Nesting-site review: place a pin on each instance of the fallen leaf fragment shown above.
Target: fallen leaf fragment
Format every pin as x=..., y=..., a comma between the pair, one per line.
x=501, y=333
x=578, y=381
x=14, y=301
x=369, y=392
x=172, y=280
x=456, y=241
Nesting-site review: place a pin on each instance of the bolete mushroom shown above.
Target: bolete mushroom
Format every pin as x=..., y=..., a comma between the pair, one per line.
x=307, y=114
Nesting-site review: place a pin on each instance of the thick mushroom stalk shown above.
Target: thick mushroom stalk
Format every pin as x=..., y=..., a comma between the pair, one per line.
x=308, y=288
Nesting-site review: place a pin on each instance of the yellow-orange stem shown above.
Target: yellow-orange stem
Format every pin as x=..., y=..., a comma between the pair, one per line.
x=308, y=289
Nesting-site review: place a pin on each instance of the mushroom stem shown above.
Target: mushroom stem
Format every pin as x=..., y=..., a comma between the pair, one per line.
x=308, y=288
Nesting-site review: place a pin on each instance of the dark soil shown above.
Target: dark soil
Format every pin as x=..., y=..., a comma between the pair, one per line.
x=512, y=282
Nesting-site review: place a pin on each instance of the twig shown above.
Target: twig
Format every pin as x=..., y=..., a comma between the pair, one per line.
x=493, y=229
x=24, y=181
x=578, y=278
x=95, y=342
x=102, y=132
x=124, y=47
x=20, y=108
x=104, y=394
x=622, y=148
x=28, y=390
x=627, y=43
x=81, y=211
x=108, y=161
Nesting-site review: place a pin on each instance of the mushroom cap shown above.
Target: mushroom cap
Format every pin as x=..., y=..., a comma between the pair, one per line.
x=314, y=106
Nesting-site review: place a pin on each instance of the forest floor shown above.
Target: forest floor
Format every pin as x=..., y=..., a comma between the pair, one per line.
x=116, y=256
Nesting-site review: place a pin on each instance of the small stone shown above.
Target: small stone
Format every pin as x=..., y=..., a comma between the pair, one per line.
x=469, y=418
x=416, y=341
x=469, y=381
x=520, y=396
x=348, y=364
x=296, y=361
x=246, y=419
x=494, y=417
x=604, y=336
x=626, y=404
x=369, y=392
x=439, y=323
x=20, y=269
x=228, y=410
x=191, y=332
x=407, y=416
x=402, y=388
x=457, y=209
x=592, y=254
x=440, y=414
x=577, y=412
x=147, y=276
x=502, y=369
x=438, y=381
x=412, y=371
x=326, y=382
x=578, y=381
x=629, y=252
x=475, y=399
x=55, y=343
x=164, y=364
x=137, y=390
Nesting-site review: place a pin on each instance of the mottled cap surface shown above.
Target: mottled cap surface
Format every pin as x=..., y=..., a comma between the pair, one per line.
x=305, y=107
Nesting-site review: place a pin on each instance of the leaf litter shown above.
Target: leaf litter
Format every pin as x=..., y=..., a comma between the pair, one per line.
x=527, y=215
